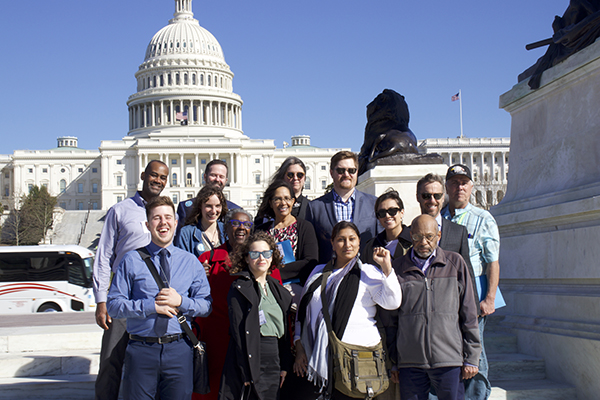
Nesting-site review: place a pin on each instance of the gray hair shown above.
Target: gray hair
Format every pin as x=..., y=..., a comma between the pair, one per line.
x=231, y=213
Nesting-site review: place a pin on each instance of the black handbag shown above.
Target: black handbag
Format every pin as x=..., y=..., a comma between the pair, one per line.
x=200, y=375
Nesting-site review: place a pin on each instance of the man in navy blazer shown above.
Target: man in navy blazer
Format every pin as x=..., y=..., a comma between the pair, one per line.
x=343, y=203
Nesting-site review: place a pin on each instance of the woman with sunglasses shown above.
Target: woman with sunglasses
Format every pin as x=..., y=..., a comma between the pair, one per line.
x=293, y=171
x=353, y=290
x=258, y=356
x=203, y=228
x=395, y=236
x=295, y=235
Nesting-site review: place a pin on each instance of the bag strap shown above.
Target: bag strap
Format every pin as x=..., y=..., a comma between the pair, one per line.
x=143, y=252
x=324, y=276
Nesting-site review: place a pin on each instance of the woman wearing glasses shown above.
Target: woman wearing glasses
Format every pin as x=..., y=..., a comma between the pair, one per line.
x=395, y=236
x=296, y=236
x=258, y=356
x=293, y=171
x=203, y=228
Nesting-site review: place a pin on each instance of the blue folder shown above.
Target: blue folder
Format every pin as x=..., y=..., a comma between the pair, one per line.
x=482, y=287
x=285, y=248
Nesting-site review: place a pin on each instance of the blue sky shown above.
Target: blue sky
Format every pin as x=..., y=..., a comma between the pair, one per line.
x=305, y=67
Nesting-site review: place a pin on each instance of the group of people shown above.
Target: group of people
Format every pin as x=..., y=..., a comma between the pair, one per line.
x=255, y=287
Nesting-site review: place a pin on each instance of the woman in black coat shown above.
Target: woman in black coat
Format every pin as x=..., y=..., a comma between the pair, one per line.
x=258, y=356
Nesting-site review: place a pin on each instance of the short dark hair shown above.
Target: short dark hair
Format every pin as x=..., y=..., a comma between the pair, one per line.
x=147, y=169
x=343, y=155
x=343, y=225
x=157, y=202
x=288, y=162
x=265, y=209
x=216, y=162
x=430, y=178
x=202, y=197
x=238, y=258
x=390, y=194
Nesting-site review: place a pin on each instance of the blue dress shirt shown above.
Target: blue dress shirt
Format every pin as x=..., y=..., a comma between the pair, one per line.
x=133, y=290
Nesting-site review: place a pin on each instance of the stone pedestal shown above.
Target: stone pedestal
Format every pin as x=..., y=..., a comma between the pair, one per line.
x=549, y=220
x=402, y=178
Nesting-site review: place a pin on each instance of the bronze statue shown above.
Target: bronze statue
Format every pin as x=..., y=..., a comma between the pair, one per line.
x=576, y=29
x=388, y=139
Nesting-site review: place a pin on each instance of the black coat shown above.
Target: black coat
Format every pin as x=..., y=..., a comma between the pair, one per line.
x=242, y=362
x=404, y=244
x=307, y=252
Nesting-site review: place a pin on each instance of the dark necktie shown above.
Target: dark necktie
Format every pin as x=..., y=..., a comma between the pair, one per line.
x=162, y=321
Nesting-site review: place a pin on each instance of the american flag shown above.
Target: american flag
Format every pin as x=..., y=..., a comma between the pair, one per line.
x=181, y=116
x=455, y=97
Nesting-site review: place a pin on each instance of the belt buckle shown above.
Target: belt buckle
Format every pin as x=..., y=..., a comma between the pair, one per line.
x=164, y=339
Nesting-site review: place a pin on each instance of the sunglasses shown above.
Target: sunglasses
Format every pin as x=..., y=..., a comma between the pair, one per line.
x=298, y=175
x=341, y=171
x=235, y=223
x=255, y=254
x=392, y=211
x=427, y=196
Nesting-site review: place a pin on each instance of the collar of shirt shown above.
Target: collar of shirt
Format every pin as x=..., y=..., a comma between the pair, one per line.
x=139, y=200
x=154, y=249
x=338, y=199
x=420, y=263
x=438, y=219
x=457, y=211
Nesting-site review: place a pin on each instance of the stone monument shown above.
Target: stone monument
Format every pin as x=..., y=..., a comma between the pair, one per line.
x=549, y=220
x=389, y=156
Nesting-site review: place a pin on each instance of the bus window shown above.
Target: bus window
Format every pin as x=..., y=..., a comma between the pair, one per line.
x=76, y=272
x=13, y=268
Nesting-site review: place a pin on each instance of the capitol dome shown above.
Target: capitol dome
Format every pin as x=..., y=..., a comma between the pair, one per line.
x=184, y=81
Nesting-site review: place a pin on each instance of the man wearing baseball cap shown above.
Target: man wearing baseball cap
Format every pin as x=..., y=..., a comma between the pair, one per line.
x=484, y=248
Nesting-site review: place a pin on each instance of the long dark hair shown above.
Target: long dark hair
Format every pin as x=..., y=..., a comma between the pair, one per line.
x=204, y=194
x=265, y=209
x=279, y=175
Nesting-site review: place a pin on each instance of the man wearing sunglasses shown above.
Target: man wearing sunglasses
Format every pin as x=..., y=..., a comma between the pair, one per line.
x=484, y=249
x=430, y=195
x=343, y=203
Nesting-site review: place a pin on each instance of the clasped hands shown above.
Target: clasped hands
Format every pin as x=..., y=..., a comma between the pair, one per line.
x=167, y=301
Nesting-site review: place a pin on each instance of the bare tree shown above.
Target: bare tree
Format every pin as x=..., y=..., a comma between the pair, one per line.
x=30, y=218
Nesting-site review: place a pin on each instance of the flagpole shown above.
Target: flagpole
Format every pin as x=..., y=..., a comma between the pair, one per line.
x=461, y=124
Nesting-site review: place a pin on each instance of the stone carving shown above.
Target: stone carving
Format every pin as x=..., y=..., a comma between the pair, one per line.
x=388, y=139
x=576, y=29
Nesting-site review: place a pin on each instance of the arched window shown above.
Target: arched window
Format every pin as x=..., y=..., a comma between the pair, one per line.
x=208, y=80
x=202, y=79
x=63, y=186
x=307, y=183
x=174, y=180
x=193, y=79
x=177, y=79
x=499, y=196
x=185, y=79
x=188, y=179
x=162, y=81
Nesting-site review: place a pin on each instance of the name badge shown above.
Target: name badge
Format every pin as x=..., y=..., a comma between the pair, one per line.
x=261, y=318
x=200, y=247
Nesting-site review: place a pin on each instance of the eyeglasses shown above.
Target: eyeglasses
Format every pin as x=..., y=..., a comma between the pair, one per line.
x=427, y=196
x=342, y=171
x=255, y=254
x=298, y=175
x=281, y=199
x=236, y=222
x=392, y=211
x=417, y=238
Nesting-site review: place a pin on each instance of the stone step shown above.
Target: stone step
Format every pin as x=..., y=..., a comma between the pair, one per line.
x=49, y=363
x=532, y=390
x=50, y=338
x=58, y=387
x=500, y=343
x=513, y=366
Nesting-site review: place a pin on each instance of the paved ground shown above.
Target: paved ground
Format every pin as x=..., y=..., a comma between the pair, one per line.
x=48, y=318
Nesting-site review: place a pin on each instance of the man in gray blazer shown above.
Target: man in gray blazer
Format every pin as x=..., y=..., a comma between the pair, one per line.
x=343, y=203
x=430, y=195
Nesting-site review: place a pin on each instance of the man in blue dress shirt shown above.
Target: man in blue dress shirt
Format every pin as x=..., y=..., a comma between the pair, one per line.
x=158, y=358
x=124, y=230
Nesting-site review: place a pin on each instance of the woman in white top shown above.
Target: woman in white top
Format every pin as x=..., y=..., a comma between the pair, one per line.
x=353, y=290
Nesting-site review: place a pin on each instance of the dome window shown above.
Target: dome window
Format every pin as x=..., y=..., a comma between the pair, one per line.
x=184, y=44
x=209, y=80
x=177, y=44
x=162, y=81
x=171, y=44
x=202, y=79
x=193, y=79
x=177, y=79
x=185, y=79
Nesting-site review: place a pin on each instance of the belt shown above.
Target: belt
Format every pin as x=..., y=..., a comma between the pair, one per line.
x=161, y=340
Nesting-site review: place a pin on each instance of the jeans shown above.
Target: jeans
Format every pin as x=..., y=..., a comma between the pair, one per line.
x=479, y=387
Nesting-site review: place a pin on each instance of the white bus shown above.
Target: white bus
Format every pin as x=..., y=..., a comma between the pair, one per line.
x=45, y=278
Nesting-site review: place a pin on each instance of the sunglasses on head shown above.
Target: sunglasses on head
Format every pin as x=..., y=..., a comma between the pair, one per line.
x=341, y=171
x=255, y=254
x=235, y=223
x=427, y=196
x=392, y=211
x=298, y=175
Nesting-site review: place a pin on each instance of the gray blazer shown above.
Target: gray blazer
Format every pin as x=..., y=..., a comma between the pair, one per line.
x=321, y=213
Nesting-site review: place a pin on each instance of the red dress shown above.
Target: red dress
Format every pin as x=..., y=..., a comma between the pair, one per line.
x=214, y=329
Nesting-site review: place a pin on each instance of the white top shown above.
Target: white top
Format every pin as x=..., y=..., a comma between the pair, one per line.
x=374, y=289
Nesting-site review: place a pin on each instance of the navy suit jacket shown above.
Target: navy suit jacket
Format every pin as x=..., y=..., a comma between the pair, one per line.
x=321, y=213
